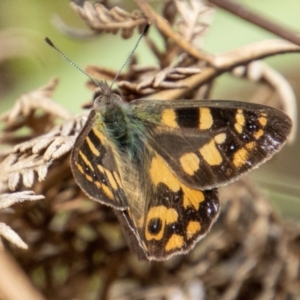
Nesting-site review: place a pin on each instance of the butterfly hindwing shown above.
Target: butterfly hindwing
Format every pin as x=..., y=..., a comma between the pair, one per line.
x=211, y=143
x=166, y=216
x=179, y=217
x=94, y=166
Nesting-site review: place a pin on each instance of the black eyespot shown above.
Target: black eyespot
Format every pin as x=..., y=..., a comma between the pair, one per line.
x=154, y=226
x=251, y=126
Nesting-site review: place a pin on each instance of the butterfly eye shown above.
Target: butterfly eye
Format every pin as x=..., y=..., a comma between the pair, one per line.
x=98, y=93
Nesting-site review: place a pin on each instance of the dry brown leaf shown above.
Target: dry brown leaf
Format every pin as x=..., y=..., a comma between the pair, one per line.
x=195, y=19
x=7, y=200
x=36, y=155
x=101, y=19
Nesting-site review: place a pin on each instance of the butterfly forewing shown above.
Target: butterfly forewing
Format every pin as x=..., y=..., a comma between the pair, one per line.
x=211, y=143
x=94, y=167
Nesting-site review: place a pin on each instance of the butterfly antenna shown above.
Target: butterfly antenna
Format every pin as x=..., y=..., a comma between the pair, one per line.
x=49, y=42
x=132, y=52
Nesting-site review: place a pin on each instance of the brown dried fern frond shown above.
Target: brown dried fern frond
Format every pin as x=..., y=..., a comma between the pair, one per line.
x=7, y=200
x=46, y=142
x=195, y=19
x=150, y=79
x=101, y=19
x=35, y=156
x=23, y=112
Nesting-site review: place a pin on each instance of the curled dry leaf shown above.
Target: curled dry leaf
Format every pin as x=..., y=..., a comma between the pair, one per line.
x=100, y=19
x=28, y=103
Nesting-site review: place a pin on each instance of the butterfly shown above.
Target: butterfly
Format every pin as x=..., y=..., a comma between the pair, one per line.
x=159, y=163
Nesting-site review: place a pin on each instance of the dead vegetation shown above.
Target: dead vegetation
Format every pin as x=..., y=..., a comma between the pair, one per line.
x=75, y=246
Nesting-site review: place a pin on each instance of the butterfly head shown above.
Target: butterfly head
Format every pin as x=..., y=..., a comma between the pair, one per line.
x=104, y=97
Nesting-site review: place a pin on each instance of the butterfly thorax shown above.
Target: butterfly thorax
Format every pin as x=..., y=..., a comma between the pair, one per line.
x=117, y=120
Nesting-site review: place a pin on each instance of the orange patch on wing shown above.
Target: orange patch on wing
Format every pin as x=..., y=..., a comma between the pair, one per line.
x=250, y=146
x=86, y=161
x=160, y=172
x=206, y=119
x=262, y=121
x=92, y=146
x=192, y=228
x=211, y=154
x=189, y=163
x=99, y=135
x=88, y=177
x=220, y=138
x=239, y=117
x=258, y=134
x=100, y=168
x=168, y=118
x=175, y=242
x=240, y=157
x=238, y=128
x=79, y=167
x=111, y=179
x=117, y=178
x=107, y=191
x=171, y=216
x=192, y=198
x=240, y=121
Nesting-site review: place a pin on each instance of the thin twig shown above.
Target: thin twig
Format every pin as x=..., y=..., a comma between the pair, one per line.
x=167, y=30
x=226, y=62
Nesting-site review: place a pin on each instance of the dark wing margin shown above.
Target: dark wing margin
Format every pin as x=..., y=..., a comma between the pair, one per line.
x=94, y=168
x=131, y=235
x=212, y=143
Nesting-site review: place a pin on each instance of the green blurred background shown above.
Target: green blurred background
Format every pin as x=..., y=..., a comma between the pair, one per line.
x=31, y=63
